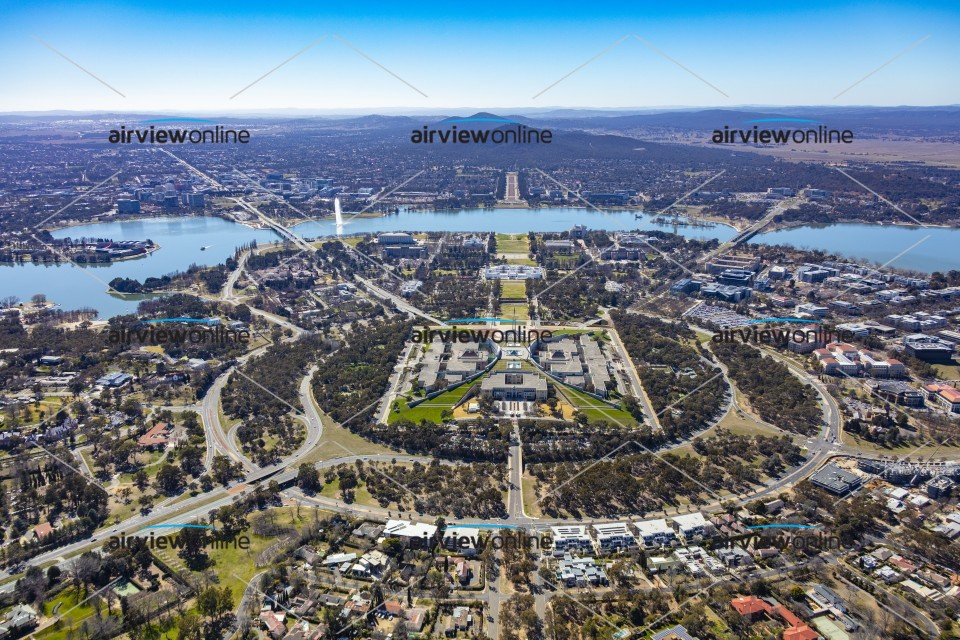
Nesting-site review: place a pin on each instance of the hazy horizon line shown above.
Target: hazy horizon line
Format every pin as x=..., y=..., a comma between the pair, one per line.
x=459, y=110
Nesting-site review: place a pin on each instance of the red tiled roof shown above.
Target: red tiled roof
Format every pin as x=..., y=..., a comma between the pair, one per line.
x=788, y=616
x=748, y=605
x=800, y=632
x=156, y=436
x=392, y=607
x=42, y=530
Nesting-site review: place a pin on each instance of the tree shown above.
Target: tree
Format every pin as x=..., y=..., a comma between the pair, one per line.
x=190, y=628
x=222, y=470
x=169, y=480
x=193, y=541
x=224, y=601
x=308, y=478
x=141, y=479
x=208, y=602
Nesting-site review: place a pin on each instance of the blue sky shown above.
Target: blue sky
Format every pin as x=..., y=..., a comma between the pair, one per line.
x=184, y=57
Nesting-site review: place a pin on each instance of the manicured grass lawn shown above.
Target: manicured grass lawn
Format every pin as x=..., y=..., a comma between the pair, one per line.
x=431, y=409
x=514, y=311
x=524, y=365
x=511, y=290
x=595, y=410
x=518, y=243
x=524, y=261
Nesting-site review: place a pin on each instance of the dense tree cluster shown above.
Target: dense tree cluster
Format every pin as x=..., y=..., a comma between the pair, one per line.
x=267, y=386
x=461, y=490
x=686, y=391
x=483, y=440
x=775, y=393
x=550, y=441
x=452, y=295
x=637, y=482
x=353, y=378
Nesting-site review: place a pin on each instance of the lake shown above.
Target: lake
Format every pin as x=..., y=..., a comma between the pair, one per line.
x=181, y=240
x=877, y=244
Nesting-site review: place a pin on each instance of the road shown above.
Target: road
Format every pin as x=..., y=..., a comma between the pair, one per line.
x=515, y=477
x=398, y=301
x=218, y=441
x=778, y=208
x=631, y=369
x=226, y=294
x=393, y=387
x=512, y=191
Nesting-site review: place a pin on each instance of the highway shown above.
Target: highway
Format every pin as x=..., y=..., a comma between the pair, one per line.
x=749, y=232
x=631, y=370
x=398, y=301
x=226, y=293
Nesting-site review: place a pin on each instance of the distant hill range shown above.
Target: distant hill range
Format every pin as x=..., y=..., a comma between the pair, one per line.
x=915, y=121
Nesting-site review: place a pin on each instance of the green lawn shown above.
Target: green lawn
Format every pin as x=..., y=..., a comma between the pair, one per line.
x=515, y=311
x=430, y=409
x=595, y=410
x=512, y=290
x=236, y=567
x=518, y=243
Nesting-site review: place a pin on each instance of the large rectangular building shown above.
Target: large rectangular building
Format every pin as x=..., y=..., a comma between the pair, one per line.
x=612, y=537
x=835, y=480
x=655, y=533
x=510, y=385
x=571, y=537
x=928, y=348
x=691, y=525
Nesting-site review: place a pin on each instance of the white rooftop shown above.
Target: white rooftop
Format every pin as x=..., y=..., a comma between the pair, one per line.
x=408, y=529
x=690, y=520
x=612, y=529
x=653, y=527
x=569, y=532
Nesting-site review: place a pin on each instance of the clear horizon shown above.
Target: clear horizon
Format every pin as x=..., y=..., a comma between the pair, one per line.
x=250, y=57
x=412, y=111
